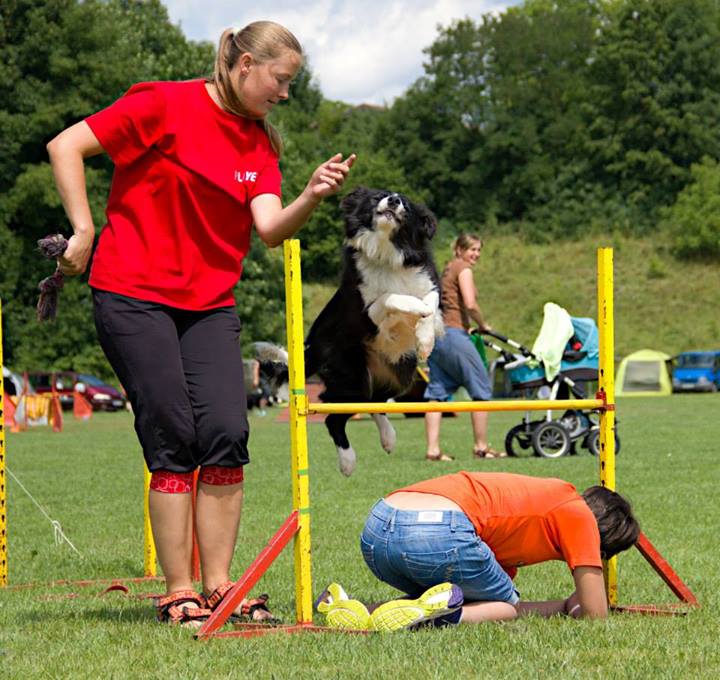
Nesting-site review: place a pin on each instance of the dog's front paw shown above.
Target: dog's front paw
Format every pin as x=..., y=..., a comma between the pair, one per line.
x=347, y=460
x=407, y=304
x=424, y=349
x=424, y=338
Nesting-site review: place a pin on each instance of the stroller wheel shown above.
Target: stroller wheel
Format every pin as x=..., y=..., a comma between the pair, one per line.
x=592, y=443
x=575, y=422
x=518, y=441
x=551, y=440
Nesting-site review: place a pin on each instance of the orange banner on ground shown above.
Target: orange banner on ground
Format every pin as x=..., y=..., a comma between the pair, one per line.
x=8, y=408
x=82, y=408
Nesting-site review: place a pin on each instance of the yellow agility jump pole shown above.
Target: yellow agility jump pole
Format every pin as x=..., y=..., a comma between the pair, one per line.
x=456, y=406
x=298, y=430
x=606, y=390
x=149, y=553
x=606, y=387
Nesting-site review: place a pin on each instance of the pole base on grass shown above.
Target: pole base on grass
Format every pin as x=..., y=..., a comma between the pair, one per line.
x=679, y=609
x=249, y=630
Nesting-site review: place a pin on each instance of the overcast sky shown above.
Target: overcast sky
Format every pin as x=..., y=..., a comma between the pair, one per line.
x=366, y=51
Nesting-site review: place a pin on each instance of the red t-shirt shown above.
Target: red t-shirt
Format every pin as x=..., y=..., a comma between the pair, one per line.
x=524, y=520
x=178, y=216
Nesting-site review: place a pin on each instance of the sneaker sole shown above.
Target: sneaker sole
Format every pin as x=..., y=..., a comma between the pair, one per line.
x=348, y=614
x=340, y=611
x=444, y=598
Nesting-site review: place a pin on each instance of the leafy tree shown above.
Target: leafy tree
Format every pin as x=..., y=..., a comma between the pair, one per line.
x=537, y=75
x=654, y=104
x=427, y=126
x=693, y=222
x=61, y=61
x=493, y=126
x=260, y=295
x=314, y=130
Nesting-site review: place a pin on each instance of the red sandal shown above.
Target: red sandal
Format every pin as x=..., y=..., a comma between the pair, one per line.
x=170, y=609
x=248, y=608
x=488, y=453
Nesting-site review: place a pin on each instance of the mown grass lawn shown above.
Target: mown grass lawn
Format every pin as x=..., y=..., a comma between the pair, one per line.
x=90, y=479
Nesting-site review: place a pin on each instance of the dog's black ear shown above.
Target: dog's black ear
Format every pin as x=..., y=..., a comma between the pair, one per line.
x=429, y=221
x=350, y=203
x=356, y=207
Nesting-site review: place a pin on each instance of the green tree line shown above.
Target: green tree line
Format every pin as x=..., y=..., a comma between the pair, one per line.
x=550, y=120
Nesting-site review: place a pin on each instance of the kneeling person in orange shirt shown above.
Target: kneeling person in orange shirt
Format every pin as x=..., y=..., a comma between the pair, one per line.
x=454, y=543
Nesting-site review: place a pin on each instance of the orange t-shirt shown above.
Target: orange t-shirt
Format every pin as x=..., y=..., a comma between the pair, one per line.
x=524, y=520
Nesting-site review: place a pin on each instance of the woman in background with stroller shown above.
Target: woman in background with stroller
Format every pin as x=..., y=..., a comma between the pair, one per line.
x=454, y=361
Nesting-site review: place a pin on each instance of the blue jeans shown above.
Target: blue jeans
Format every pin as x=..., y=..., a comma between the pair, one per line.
x=413, y=550
x=455, y=362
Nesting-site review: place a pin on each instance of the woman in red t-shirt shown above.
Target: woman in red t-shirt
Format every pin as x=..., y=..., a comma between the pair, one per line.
x=196, y=165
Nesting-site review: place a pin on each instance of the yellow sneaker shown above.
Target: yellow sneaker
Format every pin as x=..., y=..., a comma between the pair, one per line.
x=439, y=600
x=340, y=611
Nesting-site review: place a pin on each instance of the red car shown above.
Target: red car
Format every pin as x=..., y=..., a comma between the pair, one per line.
x=102, y=397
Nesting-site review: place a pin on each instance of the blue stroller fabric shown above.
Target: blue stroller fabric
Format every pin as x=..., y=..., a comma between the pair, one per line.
x=579, y=364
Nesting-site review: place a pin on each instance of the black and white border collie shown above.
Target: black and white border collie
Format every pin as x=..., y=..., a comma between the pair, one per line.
x=366, y=342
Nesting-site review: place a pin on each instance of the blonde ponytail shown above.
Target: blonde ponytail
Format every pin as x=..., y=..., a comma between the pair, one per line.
x=265, y=40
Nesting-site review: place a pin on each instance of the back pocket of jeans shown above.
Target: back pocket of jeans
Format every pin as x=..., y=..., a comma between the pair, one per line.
x=431, y=567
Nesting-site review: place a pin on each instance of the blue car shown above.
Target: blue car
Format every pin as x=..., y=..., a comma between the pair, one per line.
x=697, y=372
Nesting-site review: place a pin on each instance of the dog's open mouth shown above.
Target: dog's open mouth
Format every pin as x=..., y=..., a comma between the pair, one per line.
x=388, y=215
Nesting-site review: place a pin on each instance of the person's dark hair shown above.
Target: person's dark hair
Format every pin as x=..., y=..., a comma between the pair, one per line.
x=619, y=530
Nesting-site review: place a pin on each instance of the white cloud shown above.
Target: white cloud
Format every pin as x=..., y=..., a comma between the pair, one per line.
x=360, y=52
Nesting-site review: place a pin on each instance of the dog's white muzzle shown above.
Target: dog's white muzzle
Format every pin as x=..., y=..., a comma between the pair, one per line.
x=389, y=212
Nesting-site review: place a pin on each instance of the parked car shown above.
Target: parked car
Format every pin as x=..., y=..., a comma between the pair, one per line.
x=102, y=397
x=697, y=372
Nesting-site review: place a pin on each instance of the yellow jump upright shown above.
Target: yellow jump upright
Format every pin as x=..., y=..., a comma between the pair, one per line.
x=149, y=553
x=606, y=385
x=298, y=429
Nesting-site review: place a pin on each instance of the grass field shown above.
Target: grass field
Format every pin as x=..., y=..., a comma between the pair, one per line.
x=90, y=479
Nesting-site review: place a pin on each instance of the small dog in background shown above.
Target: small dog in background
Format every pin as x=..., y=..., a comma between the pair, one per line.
x=366, y=342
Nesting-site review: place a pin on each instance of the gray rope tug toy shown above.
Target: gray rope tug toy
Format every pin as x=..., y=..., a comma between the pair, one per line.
x=51, y=247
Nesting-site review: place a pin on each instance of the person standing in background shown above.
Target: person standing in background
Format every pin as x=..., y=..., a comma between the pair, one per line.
x=454, y=361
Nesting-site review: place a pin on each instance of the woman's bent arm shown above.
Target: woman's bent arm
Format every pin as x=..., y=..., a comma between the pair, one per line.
x=590, y=592
x=67, y=153
x=274, y=223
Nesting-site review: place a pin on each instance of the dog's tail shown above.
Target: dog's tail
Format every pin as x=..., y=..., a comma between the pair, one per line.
x=267, y=351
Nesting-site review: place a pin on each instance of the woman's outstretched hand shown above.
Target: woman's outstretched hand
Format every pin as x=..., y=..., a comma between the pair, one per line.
x=329, y=177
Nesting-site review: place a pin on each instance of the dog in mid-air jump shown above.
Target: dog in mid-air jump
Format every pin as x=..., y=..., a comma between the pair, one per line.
x=366, y=342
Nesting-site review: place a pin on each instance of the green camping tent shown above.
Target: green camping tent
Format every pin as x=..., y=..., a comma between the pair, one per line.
x=644, y=374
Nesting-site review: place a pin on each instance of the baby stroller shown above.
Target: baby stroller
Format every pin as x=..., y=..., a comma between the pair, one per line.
x=564, y=356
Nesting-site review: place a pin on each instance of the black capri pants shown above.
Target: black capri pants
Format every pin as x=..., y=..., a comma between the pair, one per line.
x=183, y=374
